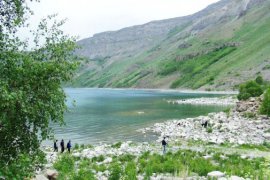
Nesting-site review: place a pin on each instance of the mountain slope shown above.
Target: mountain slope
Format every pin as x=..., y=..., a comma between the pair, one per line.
x=216, y=48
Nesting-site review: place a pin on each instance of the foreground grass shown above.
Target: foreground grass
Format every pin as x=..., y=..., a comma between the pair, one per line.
x=181, y=163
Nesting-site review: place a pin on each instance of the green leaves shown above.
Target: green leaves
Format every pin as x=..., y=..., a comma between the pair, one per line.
x=249, y=89
x=31, y=95
x=265, y=107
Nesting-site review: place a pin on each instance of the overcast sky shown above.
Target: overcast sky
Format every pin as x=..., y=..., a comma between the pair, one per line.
x=87, y=17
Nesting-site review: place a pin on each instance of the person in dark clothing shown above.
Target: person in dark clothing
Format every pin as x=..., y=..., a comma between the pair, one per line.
x=204, y=123
x=69, y=146
x=164, y=144
x=62, y=144
x=55, y=147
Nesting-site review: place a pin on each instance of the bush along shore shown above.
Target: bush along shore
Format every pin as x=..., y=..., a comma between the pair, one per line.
x=234, y=145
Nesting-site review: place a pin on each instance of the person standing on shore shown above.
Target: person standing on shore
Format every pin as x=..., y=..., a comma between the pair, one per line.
x=164, y=144
x=55, y=147
x=62, y=144
x=69, y=146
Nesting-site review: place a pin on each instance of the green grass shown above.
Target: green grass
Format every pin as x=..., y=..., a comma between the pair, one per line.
x=65, y=165
x=116, y=171
x=194, y=72
x=262, y=147
x=116, y=145
x=195, y=163
x=98, y=158
x=250, y=115
x=130, y=172
x=181, y=163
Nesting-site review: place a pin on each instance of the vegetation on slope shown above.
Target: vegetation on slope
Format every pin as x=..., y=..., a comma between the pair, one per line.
x=265, y=107
x=161, y=65
x=249, y=89
x=194, y=72
x=255, y=88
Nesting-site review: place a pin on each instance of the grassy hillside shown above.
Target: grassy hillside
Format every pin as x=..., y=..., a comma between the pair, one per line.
x=204, y=53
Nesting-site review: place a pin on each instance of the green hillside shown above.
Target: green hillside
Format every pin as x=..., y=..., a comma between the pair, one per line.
x=210, y=50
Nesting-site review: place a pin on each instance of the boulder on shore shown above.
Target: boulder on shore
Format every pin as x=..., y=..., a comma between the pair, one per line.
x=40, y=177
x=51, y=174
x=215, y=174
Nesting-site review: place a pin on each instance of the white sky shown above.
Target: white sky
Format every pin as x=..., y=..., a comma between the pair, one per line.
x=87, y=17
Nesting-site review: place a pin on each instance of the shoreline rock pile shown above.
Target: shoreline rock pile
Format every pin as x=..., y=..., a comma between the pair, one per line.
x=250, y=106
x=233, y=127
x=221, y=101
x=108, y=150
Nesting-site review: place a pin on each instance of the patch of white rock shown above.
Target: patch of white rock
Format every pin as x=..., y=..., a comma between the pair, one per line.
x=224, y=101
x=232, y=128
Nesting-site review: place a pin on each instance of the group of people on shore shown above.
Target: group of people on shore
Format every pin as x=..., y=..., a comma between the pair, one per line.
x=62, y=145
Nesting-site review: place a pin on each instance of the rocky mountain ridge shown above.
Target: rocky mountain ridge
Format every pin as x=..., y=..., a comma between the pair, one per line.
x=136, y=56
x=109, y=43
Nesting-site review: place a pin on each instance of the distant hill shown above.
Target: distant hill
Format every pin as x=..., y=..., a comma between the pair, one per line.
x=214, y=49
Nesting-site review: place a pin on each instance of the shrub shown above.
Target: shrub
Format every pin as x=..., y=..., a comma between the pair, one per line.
x=76, y=146
x=227, y=111
x=65, y=165
x=209, y=130
x=116, y=145
x=266, y=67
x=259, y=80
x=116, y=172
x=130, y=171
x=265, y=107
x=82, y=146
x=84, y=172
x=24, y=167
x=98, y=168
x=249, y=89
x=126, y=158
x=249, y=115
x=98, y=158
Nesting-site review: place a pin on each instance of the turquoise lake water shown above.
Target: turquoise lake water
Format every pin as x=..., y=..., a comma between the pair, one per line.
x=110, y=115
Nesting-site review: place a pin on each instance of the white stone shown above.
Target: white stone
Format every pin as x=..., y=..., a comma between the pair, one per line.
x=207, y=157
x=266, y=135
x=40, y=177
x=236, y=178
x=108, y=160
x=216, y=174
x=76, y=154
x=243, y=156
x=51, y=173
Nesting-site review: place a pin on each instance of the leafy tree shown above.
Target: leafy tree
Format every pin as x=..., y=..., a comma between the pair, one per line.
x=265, y=107
x=249, y=89
x=31, y=95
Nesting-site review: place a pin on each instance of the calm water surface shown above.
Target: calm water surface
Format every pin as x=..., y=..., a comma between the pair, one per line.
x=109, y=115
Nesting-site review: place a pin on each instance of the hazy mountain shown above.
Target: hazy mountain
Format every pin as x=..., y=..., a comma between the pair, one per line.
x=216, y=48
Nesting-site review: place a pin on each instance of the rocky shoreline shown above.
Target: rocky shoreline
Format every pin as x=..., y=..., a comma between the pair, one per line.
x=238, y=126
x=221, y=129
x=223, y=101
